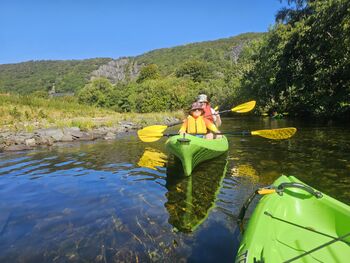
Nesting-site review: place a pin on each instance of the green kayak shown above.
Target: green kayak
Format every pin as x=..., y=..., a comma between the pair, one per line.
x=192, y=150
x=296, y=223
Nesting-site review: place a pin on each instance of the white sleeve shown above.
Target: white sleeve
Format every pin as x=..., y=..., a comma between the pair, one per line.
x=213, y=114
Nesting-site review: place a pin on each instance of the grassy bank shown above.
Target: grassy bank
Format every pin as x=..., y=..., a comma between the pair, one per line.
x=28, y=113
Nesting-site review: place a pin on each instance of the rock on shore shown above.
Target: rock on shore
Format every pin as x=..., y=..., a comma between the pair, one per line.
x=17, y=141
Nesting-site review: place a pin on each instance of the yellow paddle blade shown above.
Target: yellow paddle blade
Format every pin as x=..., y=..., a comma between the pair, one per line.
x=265, y=114
x=276, y=134
x=147, y=136
x=264, y=191
x=216, y=108
x=245, y=107
x=155, y=128
x=151, y=133
x=152, y=158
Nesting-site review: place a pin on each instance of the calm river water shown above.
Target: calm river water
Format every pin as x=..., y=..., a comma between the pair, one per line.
x=124, y=200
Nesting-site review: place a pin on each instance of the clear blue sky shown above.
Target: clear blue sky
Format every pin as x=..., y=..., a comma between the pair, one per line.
x=77, y=29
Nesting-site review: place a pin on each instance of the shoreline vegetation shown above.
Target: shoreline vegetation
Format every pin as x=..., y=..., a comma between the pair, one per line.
x=29, y=121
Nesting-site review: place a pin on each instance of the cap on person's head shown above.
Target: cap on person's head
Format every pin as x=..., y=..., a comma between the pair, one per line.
x=202, y=98
x=197, y=106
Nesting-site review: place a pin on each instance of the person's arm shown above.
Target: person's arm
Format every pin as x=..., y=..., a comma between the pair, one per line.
x=211, y=126
x=218, y=120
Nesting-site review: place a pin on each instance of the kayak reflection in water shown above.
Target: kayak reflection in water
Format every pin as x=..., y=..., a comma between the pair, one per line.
x=191, y=199
x=276, y=115
x=195, y=123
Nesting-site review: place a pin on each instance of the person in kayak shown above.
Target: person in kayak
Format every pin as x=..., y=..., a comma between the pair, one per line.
x=195, y=123
x=209, y=112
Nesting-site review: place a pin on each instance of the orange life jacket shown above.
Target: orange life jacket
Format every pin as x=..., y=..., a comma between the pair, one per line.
x=207, y=112
x=197, y=125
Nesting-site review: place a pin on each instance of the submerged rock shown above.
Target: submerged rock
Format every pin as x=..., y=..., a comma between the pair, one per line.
x=17, y=147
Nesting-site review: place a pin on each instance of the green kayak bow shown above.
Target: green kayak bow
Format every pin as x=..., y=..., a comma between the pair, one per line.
x=192, y=150
x=295, y=223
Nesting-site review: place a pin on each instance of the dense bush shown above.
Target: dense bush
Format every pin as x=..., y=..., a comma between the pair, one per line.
x=164, y=95
x=152, y=95
x=97, y=93
x=303, y=65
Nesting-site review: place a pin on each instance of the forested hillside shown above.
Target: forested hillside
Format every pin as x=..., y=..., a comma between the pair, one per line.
x=71, y=75
x=220, y=53
x=65, y=75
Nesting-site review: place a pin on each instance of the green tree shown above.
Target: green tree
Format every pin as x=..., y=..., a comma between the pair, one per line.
x=148, y=72
x=98, y=93
x=197, y=70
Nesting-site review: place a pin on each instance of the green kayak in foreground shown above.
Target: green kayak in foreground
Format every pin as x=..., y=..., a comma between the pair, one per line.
x=296, y=223
x=192, y=150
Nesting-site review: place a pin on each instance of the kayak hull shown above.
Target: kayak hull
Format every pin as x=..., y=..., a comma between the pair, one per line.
x=285, y=226
x=193, y=150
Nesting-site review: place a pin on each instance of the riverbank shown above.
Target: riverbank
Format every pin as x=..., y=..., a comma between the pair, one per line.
x=27, y=122
x=17, y=141
x=22, y=140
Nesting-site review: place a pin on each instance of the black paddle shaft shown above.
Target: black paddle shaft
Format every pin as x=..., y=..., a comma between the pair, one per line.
x=244, y=133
